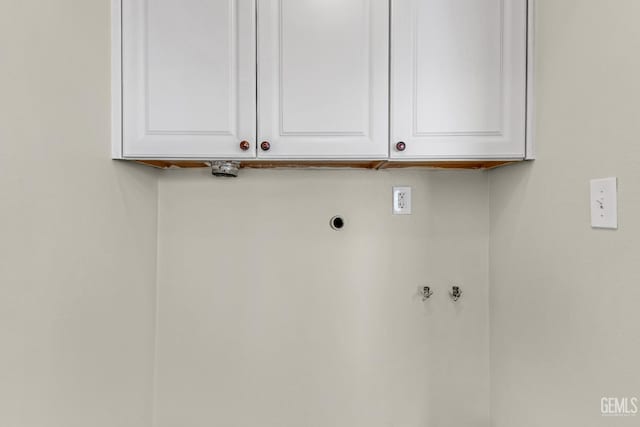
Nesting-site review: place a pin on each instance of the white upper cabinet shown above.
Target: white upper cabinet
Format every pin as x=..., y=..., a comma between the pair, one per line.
x=188, y=79
x=458, y=79
x=323, y=78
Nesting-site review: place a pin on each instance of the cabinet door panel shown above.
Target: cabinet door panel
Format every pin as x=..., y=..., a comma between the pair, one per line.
x=459, y=78
x=188, y=78
x=323, y=78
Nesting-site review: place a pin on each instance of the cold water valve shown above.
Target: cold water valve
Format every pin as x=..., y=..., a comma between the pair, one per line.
x=456, y=293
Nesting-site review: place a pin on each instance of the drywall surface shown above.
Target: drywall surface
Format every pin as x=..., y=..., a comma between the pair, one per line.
x=268, y=317
x=565, y=315
x=78, y=231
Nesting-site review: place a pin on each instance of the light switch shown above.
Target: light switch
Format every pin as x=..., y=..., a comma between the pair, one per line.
x=604, y=203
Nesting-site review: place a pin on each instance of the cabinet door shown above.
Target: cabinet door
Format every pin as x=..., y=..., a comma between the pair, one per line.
x=189, y=78
x=323, y=78
x=458, y=79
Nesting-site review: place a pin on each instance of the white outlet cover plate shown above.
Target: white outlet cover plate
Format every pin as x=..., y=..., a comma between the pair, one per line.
x=402, y=200
x=604, y=203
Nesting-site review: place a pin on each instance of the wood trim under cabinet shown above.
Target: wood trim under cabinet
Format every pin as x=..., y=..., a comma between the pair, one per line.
x=367, y=164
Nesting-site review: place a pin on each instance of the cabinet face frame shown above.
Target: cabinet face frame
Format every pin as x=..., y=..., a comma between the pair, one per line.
x=116, y=79
x=530, y=152
x=218, y=143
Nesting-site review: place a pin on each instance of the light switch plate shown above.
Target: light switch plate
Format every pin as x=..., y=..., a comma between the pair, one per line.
x=604, y=203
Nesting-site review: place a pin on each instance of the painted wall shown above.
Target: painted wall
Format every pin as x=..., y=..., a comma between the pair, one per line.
x=564, y=298
x=268, y=317
x=77, y=230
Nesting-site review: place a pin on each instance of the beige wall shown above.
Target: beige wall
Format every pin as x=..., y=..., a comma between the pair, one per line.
x=78, y=231
x=268, y=317
x=565, y=298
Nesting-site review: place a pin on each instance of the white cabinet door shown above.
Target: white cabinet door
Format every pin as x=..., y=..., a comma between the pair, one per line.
x=458, y=79
x=189, y=78
x=323, y=78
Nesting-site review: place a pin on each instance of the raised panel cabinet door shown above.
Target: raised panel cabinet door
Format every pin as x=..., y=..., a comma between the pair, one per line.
x=323, y=78
x=189, y=78
x=458, y=79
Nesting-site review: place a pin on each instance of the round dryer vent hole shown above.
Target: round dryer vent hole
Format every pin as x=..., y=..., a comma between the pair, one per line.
x=337, y=223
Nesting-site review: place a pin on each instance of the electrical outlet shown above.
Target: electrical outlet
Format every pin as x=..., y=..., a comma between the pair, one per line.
x=402, y=200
